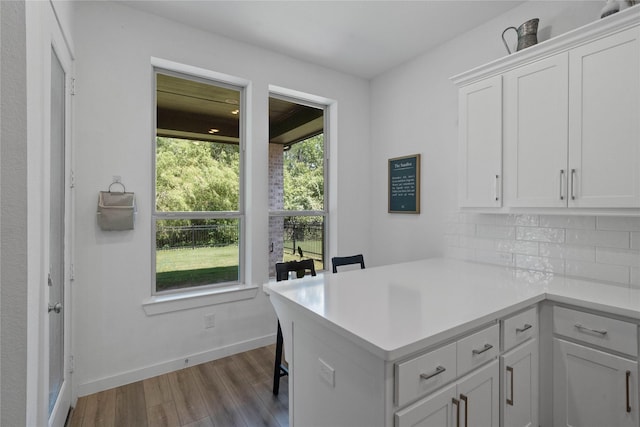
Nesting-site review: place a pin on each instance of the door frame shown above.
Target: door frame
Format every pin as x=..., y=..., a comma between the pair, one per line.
x=54, y=41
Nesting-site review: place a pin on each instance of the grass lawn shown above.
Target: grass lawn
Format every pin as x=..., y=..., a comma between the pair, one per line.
x=181, y=268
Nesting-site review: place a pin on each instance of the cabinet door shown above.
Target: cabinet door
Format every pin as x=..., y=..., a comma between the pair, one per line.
x=593, y=388
x=604, y=122
x=480, y=148
x=478, y=393
x=536, y=126
x=519, y=401
x=438, y=410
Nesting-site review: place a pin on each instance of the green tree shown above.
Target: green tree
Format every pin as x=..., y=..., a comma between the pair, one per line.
x=304, y=175
x=196, y=176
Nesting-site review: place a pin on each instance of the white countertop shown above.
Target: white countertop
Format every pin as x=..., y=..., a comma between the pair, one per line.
x=395, y=310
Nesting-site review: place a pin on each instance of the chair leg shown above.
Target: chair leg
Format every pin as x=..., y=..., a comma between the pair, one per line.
x=278, y=361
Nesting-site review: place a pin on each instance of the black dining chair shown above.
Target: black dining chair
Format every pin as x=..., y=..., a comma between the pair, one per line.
x=338, y=261
x=301, y=268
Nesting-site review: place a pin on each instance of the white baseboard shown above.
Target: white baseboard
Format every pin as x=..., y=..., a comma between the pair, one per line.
x=128, y=377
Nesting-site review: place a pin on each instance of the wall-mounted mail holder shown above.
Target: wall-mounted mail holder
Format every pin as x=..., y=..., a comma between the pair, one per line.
x=116, y=210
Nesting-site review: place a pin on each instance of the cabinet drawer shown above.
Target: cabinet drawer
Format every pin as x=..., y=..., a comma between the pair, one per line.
x=435, y=410
x=605, y=332
x=419, y=376
x=478, y=348
x=520, y=327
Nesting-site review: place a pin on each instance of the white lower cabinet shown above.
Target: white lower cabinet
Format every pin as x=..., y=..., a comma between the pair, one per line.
x=593, y=387
x=519, y=401
x=471, y=401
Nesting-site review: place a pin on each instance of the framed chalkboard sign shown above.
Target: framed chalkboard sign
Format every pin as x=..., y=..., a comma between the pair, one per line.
x=404, y=184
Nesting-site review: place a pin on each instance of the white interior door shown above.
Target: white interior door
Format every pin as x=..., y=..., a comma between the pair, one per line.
x=58, y=318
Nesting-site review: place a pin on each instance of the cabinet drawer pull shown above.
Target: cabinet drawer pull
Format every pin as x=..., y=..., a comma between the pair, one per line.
x=526, y=327
x=438, y=371
x=628, y=403
x=582, y=328
x=561, y=183
x=486, y=347
x=573, y=175
x=466, y=409
x=510, y=401
x=457, y=403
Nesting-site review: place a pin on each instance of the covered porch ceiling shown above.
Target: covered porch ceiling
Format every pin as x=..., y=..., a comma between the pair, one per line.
x=201, y=111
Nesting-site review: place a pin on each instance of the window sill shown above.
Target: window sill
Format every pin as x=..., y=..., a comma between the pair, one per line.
x=197, y=298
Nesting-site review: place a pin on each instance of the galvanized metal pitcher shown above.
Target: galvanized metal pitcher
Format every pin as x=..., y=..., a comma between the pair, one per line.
x=527, y=34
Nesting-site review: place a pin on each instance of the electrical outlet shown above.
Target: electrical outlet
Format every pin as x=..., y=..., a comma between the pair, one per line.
x=327, y=373
x=209, y=321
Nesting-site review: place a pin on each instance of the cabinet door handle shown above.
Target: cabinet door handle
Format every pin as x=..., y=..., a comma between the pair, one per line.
x=466, y=409
x=628, y=403
x=573, y=175
x=602, y=332
x=526, y=327
x=510, y=401
x=457, y=403
x=495, y=189
x=486, y=347
x=438, y=371
x=561, y=184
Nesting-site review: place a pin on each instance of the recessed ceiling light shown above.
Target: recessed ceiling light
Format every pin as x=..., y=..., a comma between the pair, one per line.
x=214, y=130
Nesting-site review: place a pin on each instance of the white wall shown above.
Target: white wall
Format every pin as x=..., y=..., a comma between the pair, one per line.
x=414, y=110
x=13, y=214
x=114, y=341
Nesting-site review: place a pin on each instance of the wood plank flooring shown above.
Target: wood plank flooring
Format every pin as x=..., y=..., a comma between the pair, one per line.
x=233, y=391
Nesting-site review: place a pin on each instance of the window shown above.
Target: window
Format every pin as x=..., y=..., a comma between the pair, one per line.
x=297, y=182
x=197, y=215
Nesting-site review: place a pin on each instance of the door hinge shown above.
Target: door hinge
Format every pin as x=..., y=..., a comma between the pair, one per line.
x=72, y=364
x=72, y=272
x=72, y=178
x=72, y=90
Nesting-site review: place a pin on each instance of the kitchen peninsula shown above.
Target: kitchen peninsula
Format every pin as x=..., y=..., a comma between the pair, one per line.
x=439, y=341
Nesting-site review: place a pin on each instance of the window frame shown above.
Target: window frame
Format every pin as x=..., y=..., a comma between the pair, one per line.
x=324, y=213
x=214, y=79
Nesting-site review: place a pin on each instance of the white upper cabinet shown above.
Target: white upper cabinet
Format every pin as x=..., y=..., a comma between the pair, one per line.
x=536, y=128
x=569, y=118
x=480, y=144
x=604, y=117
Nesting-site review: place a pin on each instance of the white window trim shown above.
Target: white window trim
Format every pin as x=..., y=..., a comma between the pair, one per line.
x=194, y=298
x=327, y=105
x=175, y=300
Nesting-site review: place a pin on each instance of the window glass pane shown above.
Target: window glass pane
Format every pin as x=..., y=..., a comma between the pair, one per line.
x=297, y=237
x=196, y=252
x=296, y=182
x=193, y=176
x=197, y=174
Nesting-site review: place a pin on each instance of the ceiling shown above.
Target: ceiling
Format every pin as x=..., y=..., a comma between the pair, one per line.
x=362, y=38
x=192, y=108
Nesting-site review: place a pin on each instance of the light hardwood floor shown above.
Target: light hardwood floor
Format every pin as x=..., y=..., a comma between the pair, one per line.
x=233, y=391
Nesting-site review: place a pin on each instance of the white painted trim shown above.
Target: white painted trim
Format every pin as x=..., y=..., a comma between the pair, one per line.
x=300, y=97
x=159, y=304
x=198, y=72
x=128, y=377
x=214, y=78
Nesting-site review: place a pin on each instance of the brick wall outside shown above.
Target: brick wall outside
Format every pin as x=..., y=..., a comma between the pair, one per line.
x=276, y=202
